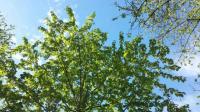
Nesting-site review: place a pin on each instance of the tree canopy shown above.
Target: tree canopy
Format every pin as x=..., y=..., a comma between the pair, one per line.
x=174, y=21
x=72, y=69
x=7, y=65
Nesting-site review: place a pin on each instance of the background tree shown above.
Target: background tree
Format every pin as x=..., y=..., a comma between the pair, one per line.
x=174, y=21
x=5, y=42
x=8, y=96
x=73, y=69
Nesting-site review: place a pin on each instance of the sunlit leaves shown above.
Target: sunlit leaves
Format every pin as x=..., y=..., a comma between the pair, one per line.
x=79, y=72
x=88, y=22
x=71, y=14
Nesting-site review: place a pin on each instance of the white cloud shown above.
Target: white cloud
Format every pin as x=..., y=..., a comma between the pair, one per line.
x=191, y=70
x=190, y=99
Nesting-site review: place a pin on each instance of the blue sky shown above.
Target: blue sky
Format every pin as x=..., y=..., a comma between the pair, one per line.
x=27, y=16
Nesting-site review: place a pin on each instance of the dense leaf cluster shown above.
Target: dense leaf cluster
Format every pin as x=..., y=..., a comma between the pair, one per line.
x=73, y=69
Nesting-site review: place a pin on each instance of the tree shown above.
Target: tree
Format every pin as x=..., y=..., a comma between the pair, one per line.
x=7, y=67
x=73, y=69
x=174, y=21
x=5, y=37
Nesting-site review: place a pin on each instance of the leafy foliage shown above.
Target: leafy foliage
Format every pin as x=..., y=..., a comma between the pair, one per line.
x=174, y=21
x=73, y=69
x=7, y=68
